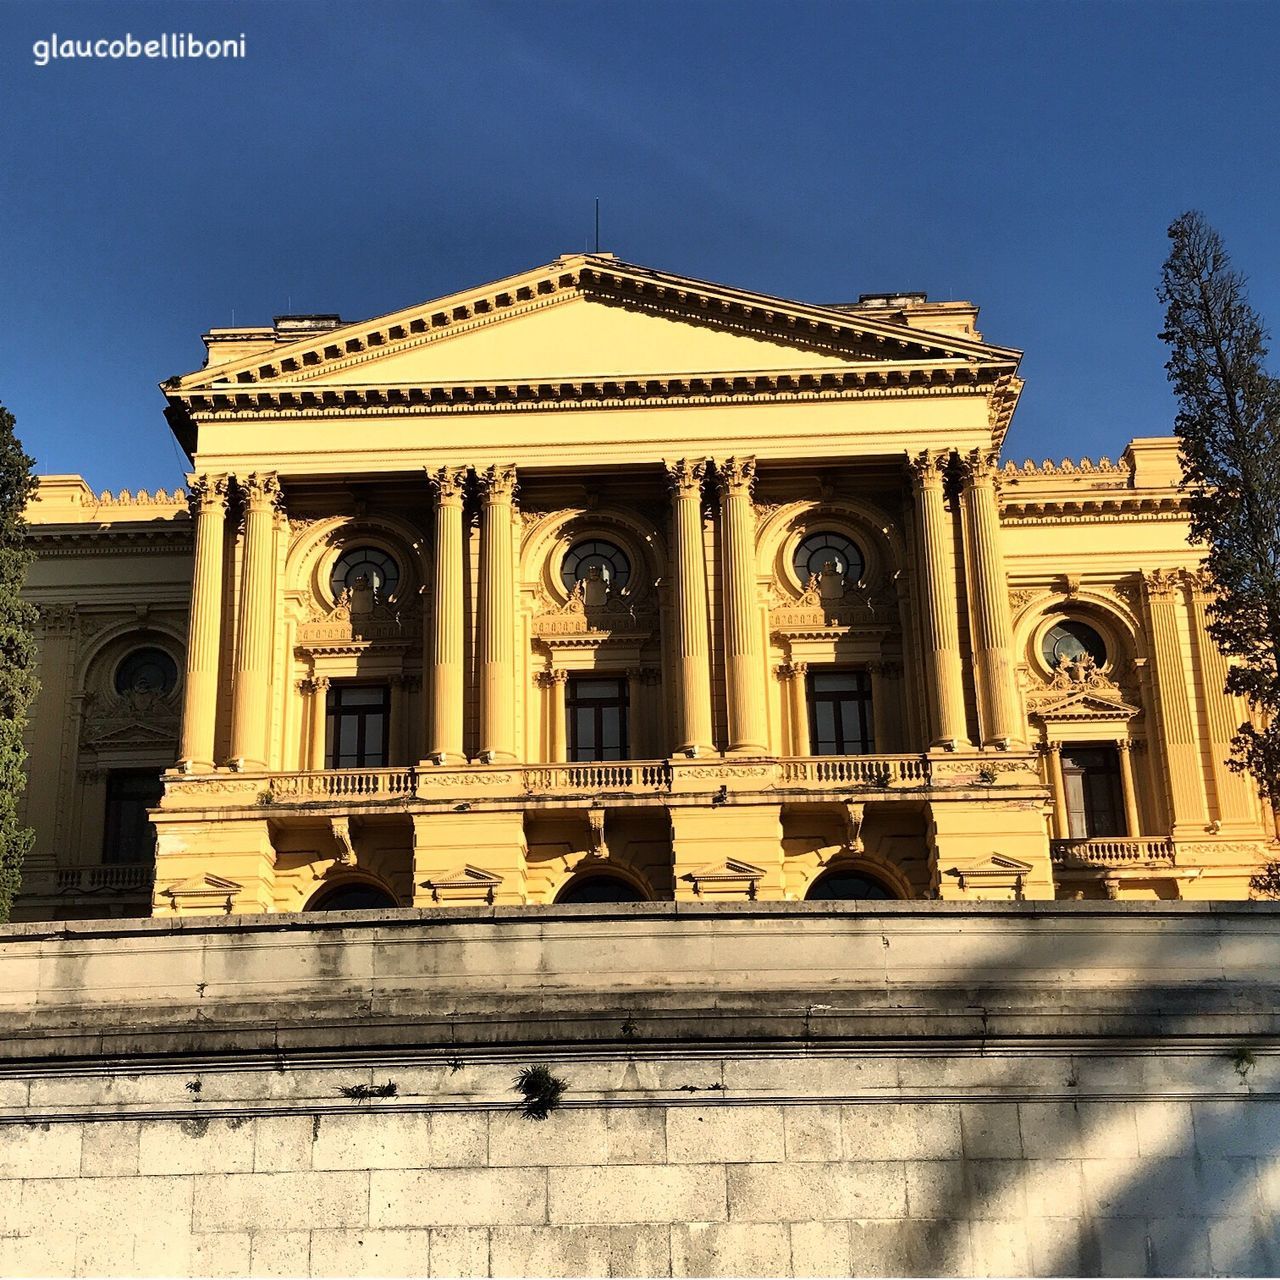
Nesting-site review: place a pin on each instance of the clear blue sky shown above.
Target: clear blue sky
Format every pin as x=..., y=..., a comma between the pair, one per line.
x=365, y=157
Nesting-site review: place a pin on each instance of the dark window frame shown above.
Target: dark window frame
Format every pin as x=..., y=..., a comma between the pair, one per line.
x=1094, y=791
x=128, y=837
x=597, y=707
x=368, y=756
x=858, y=737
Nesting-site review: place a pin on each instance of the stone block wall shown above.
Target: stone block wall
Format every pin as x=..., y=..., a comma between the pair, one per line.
x=166, y=1109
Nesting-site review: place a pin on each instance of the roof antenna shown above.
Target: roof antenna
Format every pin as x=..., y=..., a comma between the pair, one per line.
x=597, y=224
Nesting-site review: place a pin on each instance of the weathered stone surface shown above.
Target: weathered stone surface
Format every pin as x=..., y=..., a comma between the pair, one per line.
x=730, y=1249
x=638, y=1193
x=457, y=1197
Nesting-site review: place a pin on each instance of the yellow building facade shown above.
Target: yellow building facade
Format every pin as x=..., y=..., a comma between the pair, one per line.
x=600, y=583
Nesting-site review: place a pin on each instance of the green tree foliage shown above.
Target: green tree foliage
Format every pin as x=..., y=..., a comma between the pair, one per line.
x=17, y=655
x=1228, y=426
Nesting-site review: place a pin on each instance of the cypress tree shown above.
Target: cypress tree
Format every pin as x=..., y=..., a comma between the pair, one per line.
x=1228, y=428
x=17, y=655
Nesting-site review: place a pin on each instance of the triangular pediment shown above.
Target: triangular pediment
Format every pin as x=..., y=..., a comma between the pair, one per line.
x=590, y=317
x=1086, y=706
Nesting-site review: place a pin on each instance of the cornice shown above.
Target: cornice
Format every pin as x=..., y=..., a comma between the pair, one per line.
x=80, y=541
x=604, y=279
x=1099, y=508
x=299, y=400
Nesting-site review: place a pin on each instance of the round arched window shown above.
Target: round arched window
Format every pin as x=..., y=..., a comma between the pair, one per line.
x=582, y=557
x=848, y=886
x=1070, y=640
x=365, y=562
x=819, y=550
x=601, y=889
x=147, y=671
x=353, y=897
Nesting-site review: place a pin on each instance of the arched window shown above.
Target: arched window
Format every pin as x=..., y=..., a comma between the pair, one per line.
x=845, y=885
x=1071, y=640
x=595, y=553
x=818, y=550
x=356, y=896
x=600, y=889
x=147, y=670
x=365, y=562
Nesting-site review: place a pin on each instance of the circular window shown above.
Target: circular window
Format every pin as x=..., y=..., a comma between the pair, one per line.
x=819, y=550
x=582, y=557
x=365, y=562
x=147, y=671
x=1068, y=641
x=601, y=889
x=847, y=886
x=353, y=897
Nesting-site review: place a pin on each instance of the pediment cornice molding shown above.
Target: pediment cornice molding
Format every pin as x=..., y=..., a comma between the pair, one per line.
x=855, y=335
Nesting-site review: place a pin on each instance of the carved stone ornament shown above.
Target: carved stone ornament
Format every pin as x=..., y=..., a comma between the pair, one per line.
x=1079, y=690
x=1162, y=582
x=467, y=884
x=141, y=717
x=593, y=611
x=358, y=618
x=686, y=477
x=449, y=484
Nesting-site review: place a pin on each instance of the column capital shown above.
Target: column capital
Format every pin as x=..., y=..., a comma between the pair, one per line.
x=261, y=491
x=206, y=493
x=686, y=477
x=550, y=679
x=735, y=477
x=1202, y=583
x=979, y=467
x=319, y=684
x=927, y=468
x=448, y=484
x=57, y=619
x=1162, y=582
x=498, y=483
x=1049, y=748
x=791, y=670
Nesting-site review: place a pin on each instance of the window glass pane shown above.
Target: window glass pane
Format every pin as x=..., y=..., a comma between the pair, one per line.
x=363, y=696
x=824, y=726
x=595, y=689
x=128, y=835
x=834, y=681
x=584, y=733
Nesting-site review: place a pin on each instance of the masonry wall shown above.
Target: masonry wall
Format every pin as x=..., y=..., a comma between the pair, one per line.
x=921, y=1089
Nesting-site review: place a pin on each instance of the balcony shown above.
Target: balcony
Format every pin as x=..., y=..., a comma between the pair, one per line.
x=1134, y=851
x=819, y=777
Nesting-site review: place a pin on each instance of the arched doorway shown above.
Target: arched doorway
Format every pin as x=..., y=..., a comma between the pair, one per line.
x=356, y=895
x=844, y=884
x=599, y=889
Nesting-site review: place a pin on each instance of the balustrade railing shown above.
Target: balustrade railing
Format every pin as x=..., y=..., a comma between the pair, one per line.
x=115, y=878
x=856, y=771
x=1113, y=852
x=343, y=784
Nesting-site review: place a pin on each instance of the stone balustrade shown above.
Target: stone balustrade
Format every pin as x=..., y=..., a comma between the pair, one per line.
x=1110, y=853
x=794, y=775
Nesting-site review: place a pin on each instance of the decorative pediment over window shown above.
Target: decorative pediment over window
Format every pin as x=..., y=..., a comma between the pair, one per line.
x=996, y=872
x=613, y=616
x=827, y=606
x=139, y=718
x=214, y=893
x=1079, y=690
x=468, y=884
x=355, y=621
x=731, y=876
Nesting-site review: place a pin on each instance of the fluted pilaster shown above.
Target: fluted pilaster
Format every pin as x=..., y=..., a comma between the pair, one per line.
x=938, y=604
x=251, y=700
x=1235, y=793
x=989, y=594
x=692, y=639
x=204, y=634
x=497, y=616
x=445, y=673
x=1182, y=772
x=743, y=640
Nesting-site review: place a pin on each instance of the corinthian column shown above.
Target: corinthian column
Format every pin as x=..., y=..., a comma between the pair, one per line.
x=444, y=729
x=251, y=692
x=693, y=649
x=989, y=592
x=497, y=617
x=939, y=609
x=204, y=630
x=743, y=643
